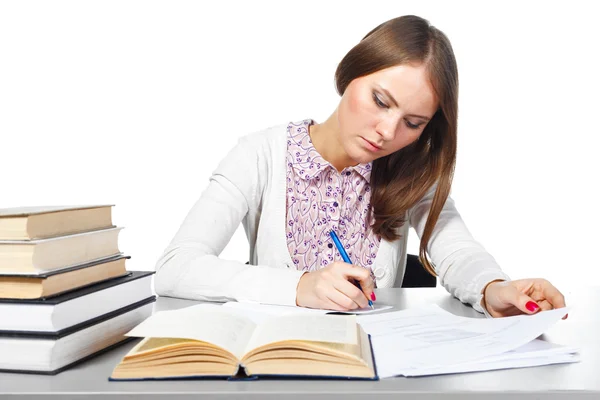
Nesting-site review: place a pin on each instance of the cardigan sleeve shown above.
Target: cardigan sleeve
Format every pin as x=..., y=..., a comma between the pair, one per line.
x=462, y=264
x=190, y=266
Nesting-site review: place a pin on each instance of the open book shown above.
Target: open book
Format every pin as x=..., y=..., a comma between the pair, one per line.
x=208, y=340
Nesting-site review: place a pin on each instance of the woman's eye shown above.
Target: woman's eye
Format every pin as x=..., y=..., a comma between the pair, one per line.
x=379, y=103
x=412, y=126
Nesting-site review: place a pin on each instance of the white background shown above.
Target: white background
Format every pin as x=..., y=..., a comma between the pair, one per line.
x=133, y=103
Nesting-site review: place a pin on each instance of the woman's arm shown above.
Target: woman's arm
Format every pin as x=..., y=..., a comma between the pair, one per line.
x=462, y=264
x=190, y=266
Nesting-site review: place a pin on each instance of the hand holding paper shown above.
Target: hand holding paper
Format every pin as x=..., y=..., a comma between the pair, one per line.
x=503, y=299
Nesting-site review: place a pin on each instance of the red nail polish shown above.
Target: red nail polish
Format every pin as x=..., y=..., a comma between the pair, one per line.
x=373, y=296
x=531, y=306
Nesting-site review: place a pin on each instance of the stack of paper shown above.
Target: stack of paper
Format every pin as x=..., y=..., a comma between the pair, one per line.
x=429, y=340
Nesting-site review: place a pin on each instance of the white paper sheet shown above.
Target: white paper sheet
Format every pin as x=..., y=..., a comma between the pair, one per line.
x=535, y=353
x=277, y=310
x=429, y=338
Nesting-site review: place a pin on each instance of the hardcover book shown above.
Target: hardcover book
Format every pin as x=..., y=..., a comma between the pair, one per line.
x=210, y=341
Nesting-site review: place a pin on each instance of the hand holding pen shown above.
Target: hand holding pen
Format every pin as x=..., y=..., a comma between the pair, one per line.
x=346, y=259
x=335, y=287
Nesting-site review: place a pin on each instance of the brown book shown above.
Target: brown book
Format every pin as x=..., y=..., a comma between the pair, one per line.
x=28, y=223
x=227, y=343
x=18, y=257
x=62, y=281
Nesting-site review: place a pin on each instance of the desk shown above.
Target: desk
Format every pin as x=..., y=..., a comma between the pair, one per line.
x=566, y=381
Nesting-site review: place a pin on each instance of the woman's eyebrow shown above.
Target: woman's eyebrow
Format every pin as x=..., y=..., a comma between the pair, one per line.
x=396, y=104
x=418, y=116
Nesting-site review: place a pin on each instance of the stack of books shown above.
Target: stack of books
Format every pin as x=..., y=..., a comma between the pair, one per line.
x=65, y=292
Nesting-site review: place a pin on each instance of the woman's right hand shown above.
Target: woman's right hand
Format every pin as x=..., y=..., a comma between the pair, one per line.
x=331, y=288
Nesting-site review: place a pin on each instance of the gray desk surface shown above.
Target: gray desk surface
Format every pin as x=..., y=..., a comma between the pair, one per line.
x=89, y=379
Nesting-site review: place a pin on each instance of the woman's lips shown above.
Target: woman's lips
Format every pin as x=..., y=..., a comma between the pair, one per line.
x=370, y=145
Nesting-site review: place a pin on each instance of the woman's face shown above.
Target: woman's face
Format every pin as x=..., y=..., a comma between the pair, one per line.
x=385, y=111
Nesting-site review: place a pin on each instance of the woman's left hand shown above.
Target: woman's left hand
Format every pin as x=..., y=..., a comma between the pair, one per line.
x=523, y=296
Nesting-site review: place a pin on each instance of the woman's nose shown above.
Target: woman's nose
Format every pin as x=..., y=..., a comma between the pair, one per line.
x=387, y=128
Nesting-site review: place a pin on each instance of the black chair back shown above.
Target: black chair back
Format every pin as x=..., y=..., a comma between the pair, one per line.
x=416, y=275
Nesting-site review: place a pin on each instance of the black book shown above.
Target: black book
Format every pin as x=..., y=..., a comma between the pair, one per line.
x=51, y=353
x=57, y=314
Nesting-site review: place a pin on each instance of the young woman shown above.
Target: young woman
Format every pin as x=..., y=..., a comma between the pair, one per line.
x=382, y=162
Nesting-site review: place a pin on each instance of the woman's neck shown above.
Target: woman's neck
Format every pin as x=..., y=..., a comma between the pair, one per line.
x=327, y=141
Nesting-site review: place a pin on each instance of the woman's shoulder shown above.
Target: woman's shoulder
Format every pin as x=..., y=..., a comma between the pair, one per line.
x=265, y=146
x=271, y=136
x=269, y=144
x=257, y=149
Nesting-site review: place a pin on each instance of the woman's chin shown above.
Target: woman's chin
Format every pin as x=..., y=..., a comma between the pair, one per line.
x=361, y=157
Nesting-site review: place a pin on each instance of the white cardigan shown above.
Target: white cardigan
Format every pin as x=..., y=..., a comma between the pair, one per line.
x=249, y=186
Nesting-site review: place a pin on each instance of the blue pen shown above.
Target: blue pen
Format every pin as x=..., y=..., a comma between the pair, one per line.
x=344, y=255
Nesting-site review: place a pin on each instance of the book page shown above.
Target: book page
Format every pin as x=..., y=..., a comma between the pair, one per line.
x=206, y=322
x=310, y=327
x=409, y=340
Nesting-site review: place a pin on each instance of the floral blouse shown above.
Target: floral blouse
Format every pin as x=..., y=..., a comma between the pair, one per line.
x=319, y=199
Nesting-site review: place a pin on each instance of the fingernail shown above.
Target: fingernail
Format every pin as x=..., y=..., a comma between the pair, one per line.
x=531, y=306
x=373, y=296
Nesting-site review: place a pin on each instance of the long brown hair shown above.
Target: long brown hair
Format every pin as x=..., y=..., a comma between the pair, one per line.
x=401, y=179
